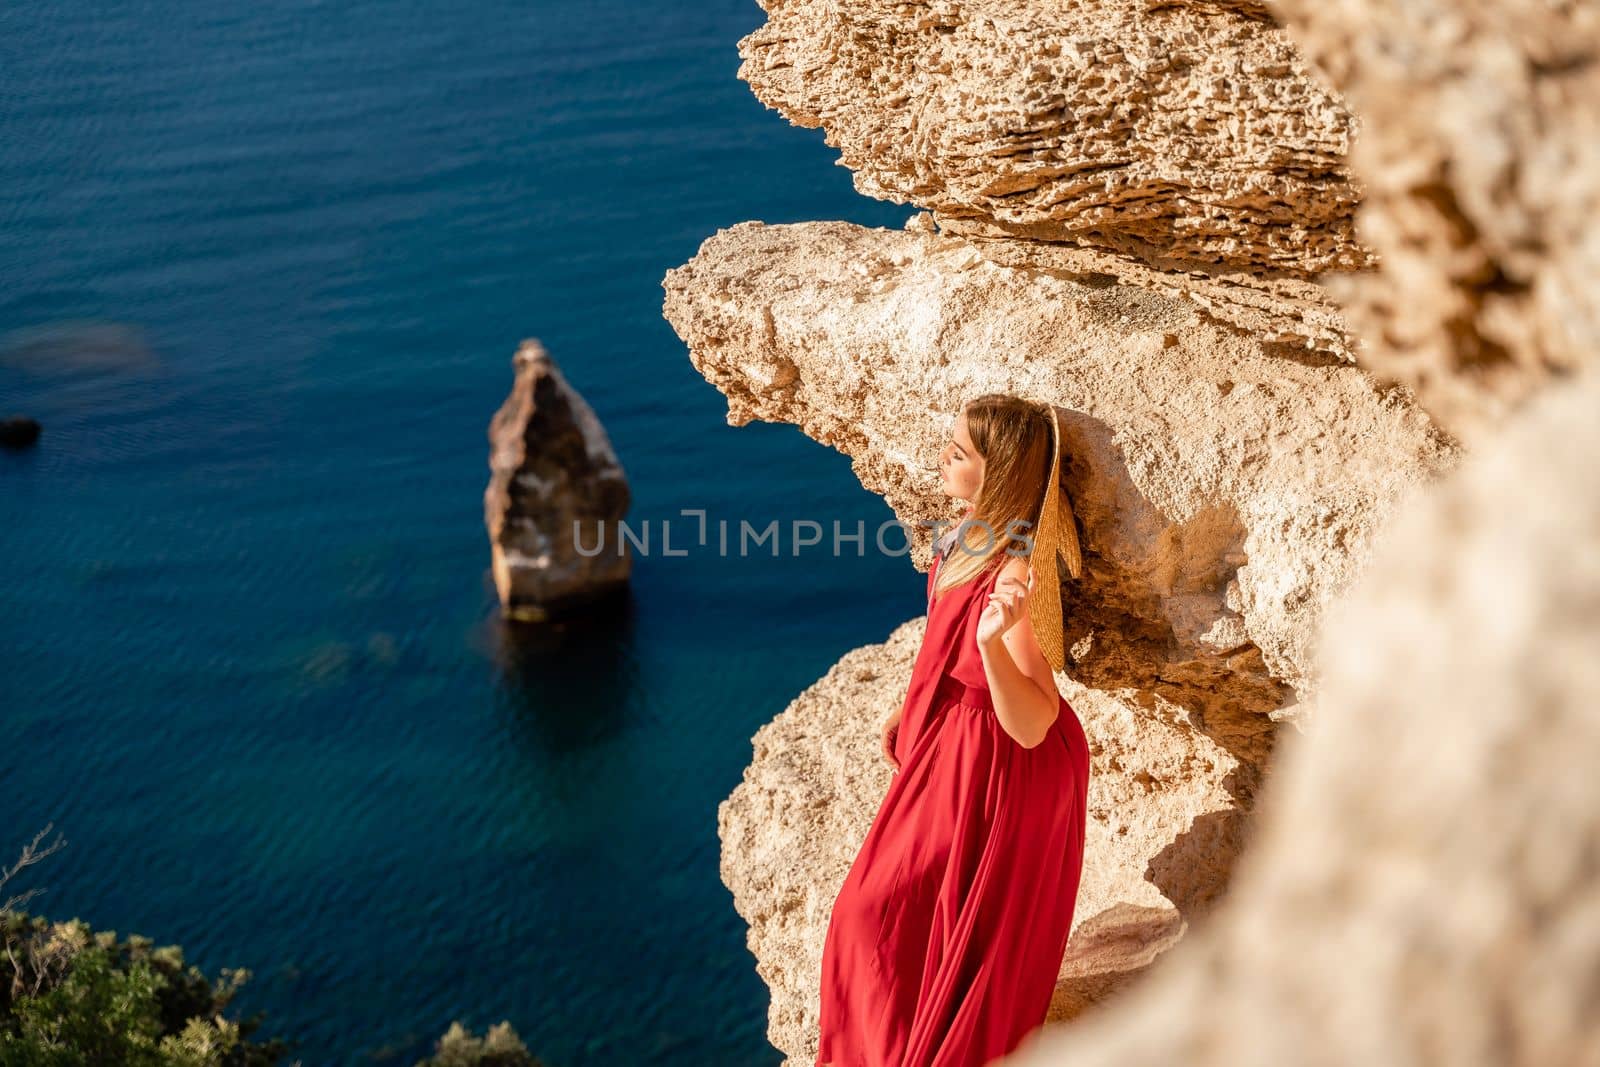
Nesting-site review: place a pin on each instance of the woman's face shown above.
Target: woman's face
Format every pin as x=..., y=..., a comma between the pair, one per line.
x=960, y=466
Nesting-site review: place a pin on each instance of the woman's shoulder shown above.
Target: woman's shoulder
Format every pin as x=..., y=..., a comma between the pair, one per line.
x=1014, y=567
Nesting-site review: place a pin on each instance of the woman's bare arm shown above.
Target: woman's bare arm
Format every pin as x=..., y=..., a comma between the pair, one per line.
x=1021, y=682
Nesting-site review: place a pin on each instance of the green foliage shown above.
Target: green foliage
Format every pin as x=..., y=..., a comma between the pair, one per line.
x=70, y=996
x=500, y=1047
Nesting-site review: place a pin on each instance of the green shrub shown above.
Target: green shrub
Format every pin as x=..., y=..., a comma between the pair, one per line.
x=71, y=996
x=500, y=1047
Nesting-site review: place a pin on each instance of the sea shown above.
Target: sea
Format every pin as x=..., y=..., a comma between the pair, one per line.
x=263, y=267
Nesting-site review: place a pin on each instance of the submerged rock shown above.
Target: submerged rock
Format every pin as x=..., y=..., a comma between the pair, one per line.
x=555, y=498
x=19, y=431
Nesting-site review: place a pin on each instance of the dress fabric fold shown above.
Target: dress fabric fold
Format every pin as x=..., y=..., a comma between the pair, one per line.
x=948, y=933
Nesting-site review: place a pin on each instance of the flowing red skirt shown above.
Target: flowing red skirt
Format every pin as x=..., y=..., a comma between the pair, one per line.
x=948, y=933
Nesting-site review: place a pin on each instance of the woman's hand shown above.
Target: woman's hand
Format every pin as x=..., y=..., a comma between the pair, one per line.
x=1005, y=607
x=886, y=737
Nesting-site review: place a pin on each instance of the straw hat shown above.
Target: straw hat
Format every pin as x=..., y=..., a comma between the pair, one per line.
x=1044, y=598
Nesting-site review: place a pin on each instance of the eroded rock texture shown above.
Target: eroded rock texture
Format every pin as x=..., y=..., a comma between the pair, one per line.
x=1227, y=486
x=1225, y=490
x=554, y=479
x=1421, y=889
x=1288, y=316
x=1132, y=210
x=1163, y=829
x=1480, y=153
x=1179, y=133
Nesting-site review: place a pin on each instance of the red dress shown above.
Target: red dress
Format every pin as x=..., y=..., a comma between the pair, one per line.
x=948, y=933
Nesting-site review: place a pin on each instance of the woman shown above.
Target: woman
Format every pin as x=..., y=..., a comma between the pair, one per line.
x=949, y=930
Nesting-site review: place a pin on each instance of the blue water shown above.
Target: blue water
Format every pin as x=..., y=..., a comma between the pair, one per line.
x=262, y=271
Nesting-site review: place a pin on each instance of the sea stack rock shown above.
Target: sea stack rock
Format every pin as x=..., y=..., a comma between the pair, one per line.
x=556, y=487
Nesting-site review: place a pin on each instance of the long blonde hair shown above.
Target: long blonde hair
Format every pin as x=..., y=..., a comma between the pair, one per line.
x=1016, y=439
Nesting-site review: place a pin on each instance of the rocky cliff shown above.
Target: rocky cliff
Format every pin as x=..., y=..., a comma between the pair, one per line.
x=1148, y=214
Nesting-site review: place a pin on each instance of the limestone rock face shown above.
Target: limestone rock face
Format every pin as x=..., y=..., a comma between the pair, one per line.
x=554, y=479
x=1147, y=215
x=1226, y=490
x=1289, y=316
x=1421, y=887
x=1163, y=830
x=1180, y=133
x=1480, y=154
x=1228, y=487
